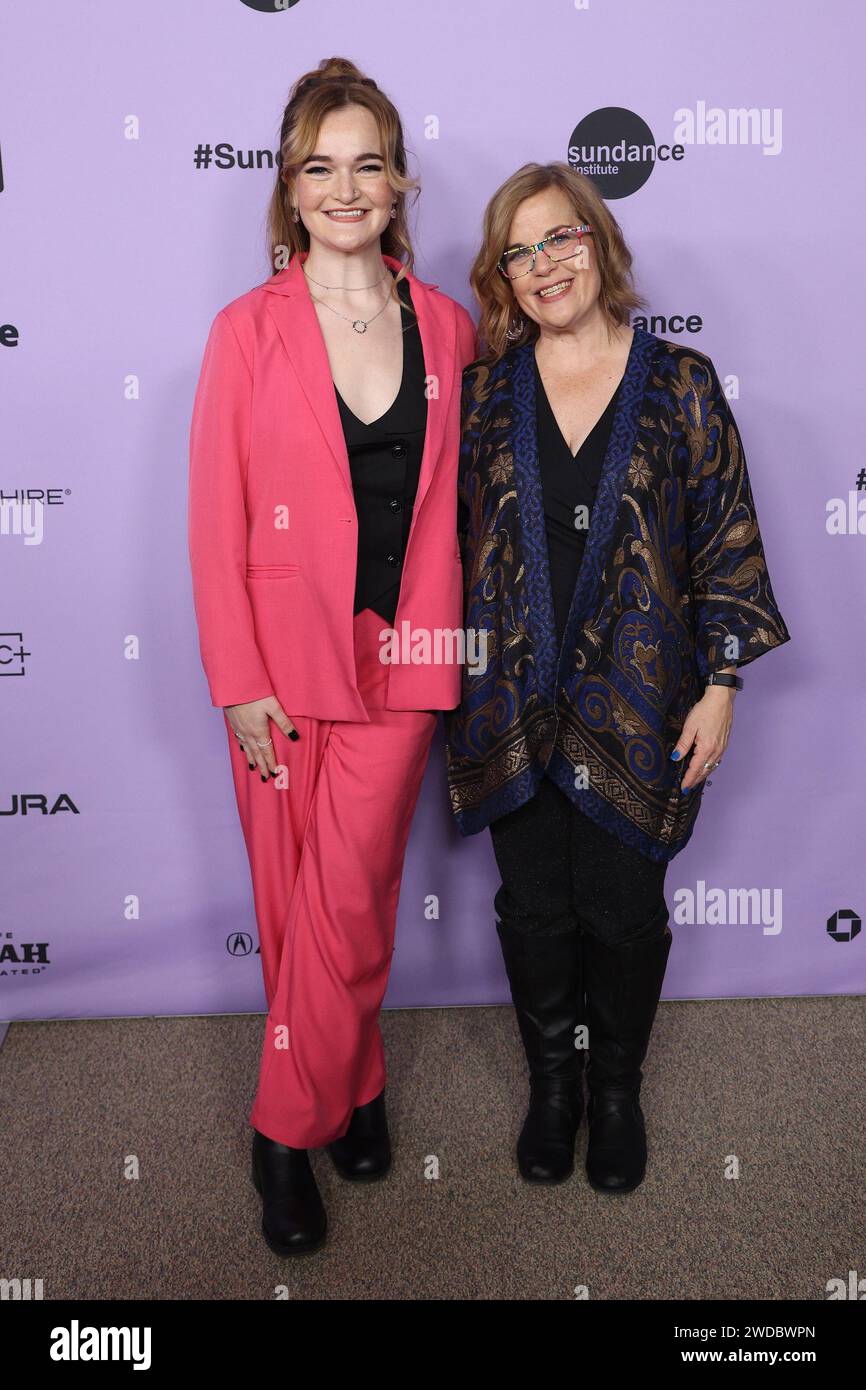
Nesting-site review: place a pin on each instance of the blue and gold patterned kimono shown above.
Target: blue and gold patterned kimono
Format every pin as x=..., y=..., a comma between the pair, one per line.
x=672, y=585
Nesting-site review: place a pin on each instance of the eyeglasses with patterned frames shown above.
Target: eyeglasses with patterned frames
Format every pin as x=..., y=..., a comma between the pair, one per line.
x=561, y=245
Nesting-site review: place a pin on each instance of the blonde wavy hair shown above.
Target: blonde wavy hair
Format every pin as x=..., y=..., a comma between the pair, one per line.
x=613, y=258
x=336, y=83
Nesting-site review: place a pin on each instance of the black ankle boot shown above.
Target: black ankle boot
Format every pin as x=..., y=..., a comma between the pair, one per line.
x=293, y=1217
x=545, y=976
x=363, y=1153
x=623, y=986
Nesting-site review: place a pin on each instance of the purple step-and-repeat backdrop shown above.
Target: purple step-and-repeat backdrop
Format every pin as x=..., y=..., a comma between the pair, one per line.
x=137, y=146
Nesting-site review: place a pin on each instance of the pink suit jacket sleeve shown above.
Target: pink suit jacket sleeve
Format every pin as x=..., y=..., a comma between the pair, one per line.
x=217, y=522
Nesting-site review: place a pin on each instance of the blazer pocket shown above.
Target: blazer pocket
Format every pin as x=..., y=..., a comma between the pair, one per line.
x=272, y=571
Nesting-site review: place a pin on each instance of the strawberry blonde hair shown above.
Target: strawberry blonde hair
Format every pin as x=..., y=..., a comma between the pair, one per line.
x=613, y=258
x=334, y=84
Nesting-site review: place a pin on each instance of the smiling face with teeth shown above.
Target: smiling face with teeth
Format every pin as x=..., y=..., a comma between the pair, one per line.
x=341, y=191
x=558, y=295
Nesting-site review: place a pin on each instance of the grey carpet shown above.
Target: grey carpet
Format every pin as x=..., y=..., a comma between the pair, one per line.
x=778, y=1084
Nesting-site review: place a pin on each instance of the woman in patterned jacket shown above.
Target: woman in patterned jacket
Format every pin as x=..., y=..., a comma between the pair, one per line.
x=615, y=575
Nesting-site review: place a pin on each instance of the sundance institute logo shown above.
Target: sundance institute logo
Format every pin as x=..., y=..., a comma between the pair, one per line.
x=617, y=150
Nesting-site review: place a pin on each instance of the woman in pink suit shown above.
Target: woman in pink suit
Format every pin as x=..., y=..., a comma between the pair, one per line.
x=322, y=517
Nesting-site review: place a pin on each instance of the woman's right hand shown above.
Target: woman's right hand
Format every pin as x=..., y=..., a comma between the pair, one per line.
x=250, y=723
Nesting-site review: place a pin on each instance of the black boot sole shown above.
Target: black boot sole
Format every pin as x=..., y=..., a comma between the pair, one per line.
x=613, y=1191
x=295, y=1251
x=358, y=1177
x=545, y=1182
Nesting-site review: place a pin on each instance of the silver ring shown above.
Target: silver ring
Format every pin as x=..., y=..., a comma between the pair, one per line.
x=260, y=744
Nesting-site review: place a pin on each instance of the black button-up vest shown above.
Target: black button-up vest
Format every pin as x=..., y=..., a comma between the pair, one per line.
x=385, y=462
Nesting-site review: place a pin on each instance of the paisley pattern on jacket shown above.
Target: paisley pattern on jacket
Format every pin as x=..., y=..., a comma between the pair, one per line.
x=673, y=584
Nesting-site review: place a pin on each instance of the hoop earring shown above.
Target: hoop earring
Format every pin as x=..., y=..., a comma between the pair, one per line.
x=515, y=328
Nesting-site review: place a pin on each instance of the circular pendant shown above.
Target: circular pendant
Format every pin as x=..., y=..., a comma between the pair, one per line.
x=359, y=326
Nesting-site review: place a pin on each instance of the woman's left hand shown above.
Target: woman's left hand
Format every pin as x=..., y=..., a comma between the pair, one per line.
x=708, y=728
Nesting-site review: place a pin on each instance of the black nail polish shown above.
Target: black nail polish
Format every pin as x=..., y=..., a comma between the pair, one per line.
x=252, y=765
x=273, y=774
x=294, y=735
x=264, y=778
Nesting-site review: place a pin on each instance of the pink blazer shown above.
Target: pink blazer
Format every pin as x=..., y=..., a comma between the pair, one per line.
x=273, y=530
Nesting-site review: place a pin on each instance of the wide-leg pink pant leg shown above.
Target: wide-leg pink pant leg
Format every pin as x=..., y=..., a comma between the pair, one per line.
x=326, y=856
x=273, y=818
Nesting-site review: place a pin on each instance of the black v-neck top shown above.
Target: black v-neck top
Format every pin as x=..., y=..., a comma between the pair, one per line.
x=568, y=481
x=385, y=463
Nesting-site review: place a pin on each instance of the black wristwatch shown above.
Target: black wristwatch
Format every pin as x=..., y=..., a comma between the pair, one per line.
x=722, y=678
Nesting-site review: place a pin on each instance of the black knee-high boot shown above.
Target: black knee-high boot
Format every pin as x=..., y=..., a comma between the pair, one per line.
x=623, y=987
x=544, y=973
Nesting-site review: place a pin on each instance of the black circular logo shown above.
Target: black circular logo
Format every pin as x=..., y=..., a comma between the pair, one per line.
x=240, y=943
x=269, y=6
x=615, y=148
x=835, y=926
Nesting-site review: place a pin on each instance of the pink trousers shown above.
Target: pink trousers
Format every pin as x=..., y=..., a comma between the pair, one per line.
x=326, y=856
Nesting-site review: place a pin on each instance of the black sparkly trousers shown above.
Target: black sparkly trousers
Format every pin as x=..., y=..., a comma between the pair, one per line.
x=560, y=870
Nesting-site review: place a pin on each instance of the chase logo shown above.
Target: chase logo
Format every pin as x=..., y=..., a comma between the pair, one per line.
x=617, y=150
x=837, y=928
